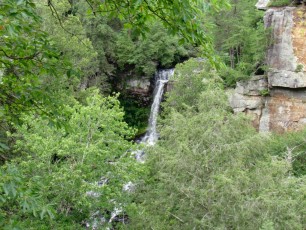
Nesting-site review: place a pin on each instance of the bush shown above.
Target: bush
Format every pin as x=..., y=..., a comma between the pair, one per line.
x=280, y=3
x=211, y=170
x=60, y=165
x=157, y=49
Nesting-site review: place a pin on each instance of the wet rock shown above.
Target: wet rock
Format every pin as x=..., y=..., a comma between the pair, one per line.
x=93, y=194
x=139, y=155
x=115, y=215
x=103, y=181
x=96, y=221
x=122, y=218
x=169, y=85
x=107, y=219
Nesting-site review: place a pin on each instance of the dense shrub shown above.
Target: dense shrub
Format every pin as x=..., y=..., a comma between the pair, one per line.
x=211, y=170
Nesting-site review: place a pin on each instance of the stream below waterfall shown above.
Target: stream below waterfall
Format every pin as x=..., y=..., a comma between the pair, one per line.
x=161, y=78
x=151, y=136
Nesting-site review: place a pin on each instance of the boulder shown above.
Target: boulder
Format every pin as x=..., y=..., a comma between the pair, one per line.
x=262, y=4
x=252, y=87
x=247, y=95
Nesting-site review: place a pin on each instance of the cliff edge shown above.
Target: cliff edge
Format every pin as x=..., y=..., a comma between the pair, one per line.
x=277, y=100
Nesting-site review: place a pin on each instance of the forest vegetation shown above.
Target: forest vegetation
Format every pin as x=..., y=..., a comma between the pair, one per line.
x=67, y=130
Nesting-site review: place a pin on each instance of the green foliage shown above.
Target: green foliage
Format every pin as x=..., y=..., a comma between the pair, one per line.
x=211, y=170
x=103, y=35
x=189, y=80
x=264, y=92
x=25, y=49
x=280, y=3
x=178, y=16
x=17, y=196
x=241, y=40
x=110, y=46
x=290, y=146
x=33, y=75
x=61, y=165
x=135, y=114
x=299, y=68
x=231, y=76
x=146, y=54
x=69, y=34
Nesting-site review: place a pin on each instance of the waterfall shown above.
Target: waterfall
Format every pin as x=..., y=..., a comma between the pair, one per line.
x=161, y=78
x=151, y=136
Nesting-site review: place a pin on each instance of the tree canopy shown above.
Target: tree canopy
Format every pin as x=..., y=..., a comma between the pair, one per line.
x=182, y=17
x=67, y=138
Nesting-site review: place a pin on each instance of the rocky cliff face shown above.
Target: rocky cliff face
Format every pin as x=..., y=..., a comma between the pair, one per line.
x=139, y=86
x=277, y=101
x=138, y=89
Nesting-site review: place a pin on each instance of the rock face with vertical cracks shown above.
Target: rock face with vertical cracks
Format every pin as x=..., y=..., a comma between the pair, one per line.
x=279, y=104
x=280, y=55
x=286, y=56
x=248, y=98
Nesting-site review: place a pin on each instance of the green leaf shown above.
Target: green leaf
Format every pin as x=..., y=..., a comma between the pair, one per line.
x=10, y=30
x=4, y=146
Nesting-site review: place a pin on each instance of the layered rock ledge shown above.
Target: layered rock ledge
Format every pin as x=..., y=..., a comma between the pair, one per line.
x=277, y=101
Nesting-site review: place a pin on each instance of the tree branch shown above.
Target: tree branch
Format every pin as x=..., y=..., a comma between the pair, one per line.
x=20, y=58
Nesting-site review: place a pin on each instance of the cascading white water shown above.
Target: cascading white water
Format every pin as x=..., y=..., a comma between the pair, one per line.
x=161, y=78
x=151, y=136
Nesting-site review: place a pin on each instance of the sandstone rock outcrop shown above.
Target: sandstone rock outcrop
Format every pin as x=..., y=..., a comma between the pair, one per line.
x=277, y=102
x=282, y=59
x=137, y=89
x=138, y=86
x=286, y=110
x=248, y=97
